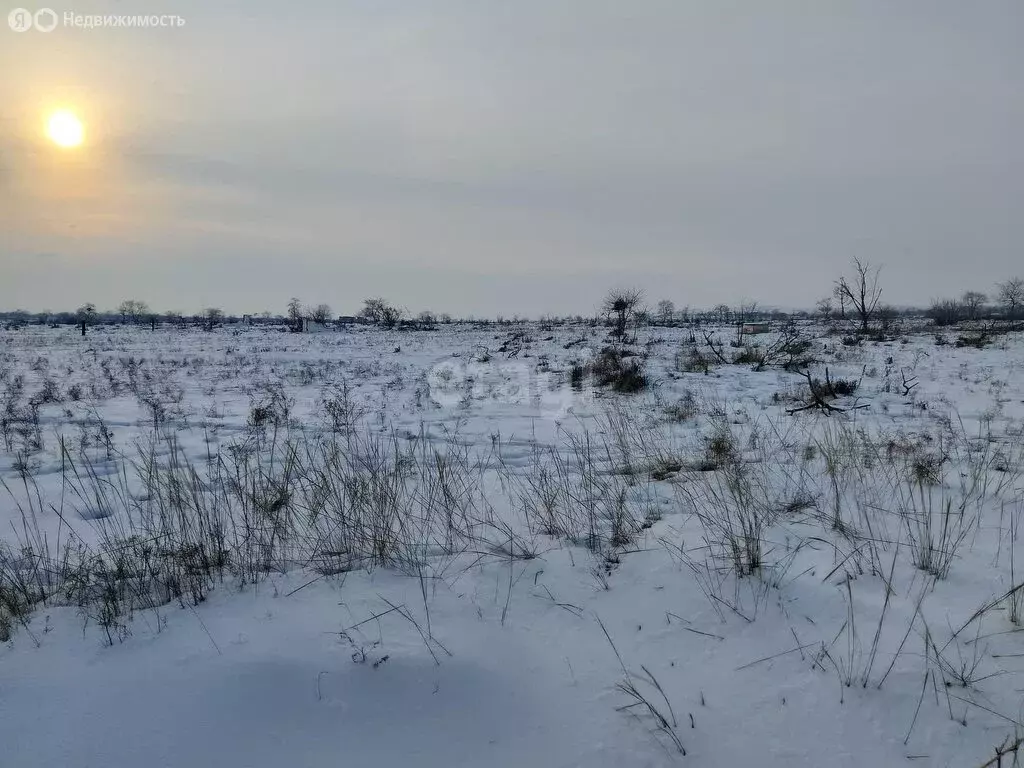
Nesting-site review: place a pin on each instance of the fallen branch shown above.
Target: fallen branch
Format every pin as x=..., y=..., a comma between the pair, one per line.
x=819, y=395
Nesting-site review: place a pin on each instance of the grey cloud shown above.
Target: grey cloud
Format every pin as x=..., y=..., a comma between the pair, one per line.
x=706, y=150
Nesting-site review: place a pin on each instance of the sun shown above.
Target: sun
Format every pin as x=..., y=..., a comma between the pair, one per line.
x=65, y=129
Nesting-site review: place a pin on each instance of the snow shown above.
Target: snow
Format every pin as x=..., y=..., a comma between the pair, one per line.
x=483, y=659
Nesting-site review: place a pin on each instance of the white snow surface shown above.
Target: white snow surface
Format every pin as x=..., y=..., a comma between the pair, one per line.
x=480, y=659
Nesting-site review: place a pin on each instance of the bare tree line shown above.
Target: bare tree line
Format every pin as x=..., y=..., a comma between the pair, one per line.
x=1007, y=299
x=856, y=297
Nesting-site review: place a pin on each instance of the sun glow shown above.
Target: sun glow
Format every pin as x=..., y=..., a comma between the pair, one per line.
x=65, y=129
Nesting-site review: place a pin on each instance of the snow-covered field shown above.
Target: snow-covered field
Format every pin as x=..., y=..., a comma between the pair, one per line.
x=450, y=548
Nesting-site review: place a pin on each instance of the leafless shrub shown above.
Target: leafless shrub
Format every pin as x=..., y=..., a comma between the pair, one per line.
x=684, y=409
x=270, y=405
x=622, y=305
x=621, y=372
x=978, y=340
x=692, y=360
x=341, y=410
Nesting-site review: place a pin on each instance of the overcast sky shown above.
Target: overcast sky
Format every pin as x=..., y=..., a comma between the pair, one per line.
x=512, y=156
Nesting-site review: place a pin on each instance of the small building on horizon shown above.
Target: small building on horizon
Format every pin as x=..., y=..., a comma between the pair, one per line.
x=312, y=326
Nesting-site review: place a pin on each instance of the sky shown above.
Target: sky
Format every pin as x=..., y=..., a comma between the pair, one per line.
x=480, y=157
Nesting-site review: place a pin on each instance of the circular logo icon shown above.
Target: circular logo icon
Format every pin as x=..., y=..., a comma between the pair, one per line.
x=20, y=20
x=45, y=20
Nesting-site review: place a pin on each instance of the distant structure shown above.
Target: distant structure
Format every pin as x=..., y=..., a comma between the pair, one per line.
x=752, y=329
x=311, y=326
x=352, y=320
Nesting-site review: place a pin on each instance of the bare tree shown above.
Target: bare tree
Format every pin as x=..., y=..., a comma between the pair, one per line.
x=973, y=302
x=372, y=309
x=1011, y=296
x=887, y=314
x=862, y=291
x=321, y=313
x=86, y=315
x=621, y=305
x=945, y=311
x=390, y=315
x=295, y=313
x=746, y=310
x=213, y=316
x=380, y=311
x=426, y=317
x=132, y=310
x=744, y=313
x=841, y=298
x=666, y=311
x=824, y=307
